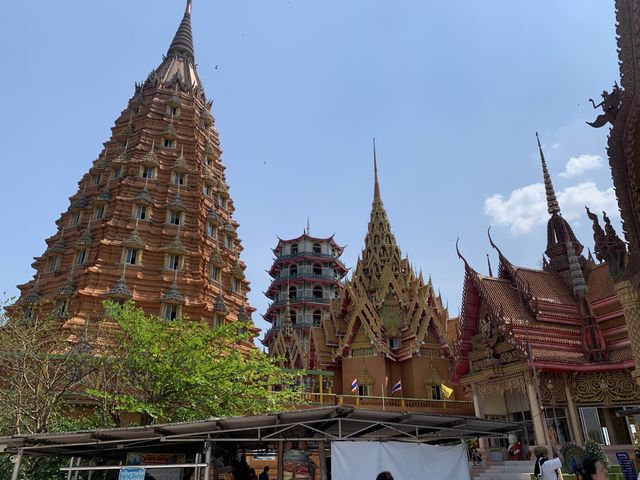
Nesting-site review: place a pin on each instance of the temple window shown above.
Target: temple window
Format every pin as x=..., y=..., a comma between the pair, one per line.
x=293, y=316
x=211, y=230
x=147, y=172
x=317, y=269
x=174, y=217
x=209, y=162
x=170, y=311
x=363, y=390
x=174, y=262
x=98, y=212
x=293, y=292
x=61, y=308
x=95, y=180
x=81, y=256
x=132, y=256
x=52, y=264
x=317, y=316
x=27, y=313
x=215, y=274
x=179, y=178
x=75, y=218
x=169, y=143
x=116, y=172
x=236, y=285
x=140, y=212
x=294, y=248
x=394, y=343
x=222, y=202
x=173, y=111
x=434, y=392
x=293, y=270
x=317, y=292
x=218, y=320
x=124, y=144
x=228, y=242
x=317, y=248
x=207, y=189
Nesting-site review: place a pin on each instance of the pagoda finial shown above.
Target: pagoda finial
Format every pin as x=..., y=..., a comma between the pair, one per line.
x=182, y=44
x=376, y=185
x=489, y=265
x=552, y=202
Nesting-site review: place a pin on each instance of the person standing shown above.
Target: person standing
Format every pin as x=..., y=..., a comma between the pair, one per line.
x=546, y=469
x=265, y=474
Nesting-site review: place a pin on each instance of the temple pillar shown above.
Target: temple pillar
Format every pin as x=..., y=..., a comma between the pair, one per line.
x=479, y=411
x=574, y=417
x=536, y=414
x=629, y=297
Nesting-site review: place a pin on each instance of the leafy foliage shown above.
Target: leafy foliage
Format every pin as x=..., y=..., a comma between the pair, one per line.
x=183, y=370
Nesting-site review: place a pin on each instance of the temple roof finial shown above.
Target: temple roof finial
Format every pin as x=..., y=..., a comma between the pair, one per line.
x=552, y=202
x=182, y=44
x=376, y=186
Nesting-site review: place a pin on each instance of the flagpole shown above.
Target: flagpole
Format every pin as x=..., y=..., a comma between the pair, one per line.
x=382, y=390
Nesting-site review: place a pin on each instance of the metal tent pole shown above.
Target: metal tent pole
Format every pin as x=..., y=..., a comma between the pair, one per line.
x=207, y=460
x=16, y=466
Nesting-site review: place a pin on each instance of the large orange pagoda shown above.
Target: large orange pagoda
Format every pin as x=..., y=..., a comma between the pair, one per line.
x=152, y=220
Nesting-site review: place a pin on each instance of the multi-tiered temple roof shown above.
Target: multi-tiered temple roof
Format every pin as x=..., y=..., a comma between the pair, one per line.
x=152, y=219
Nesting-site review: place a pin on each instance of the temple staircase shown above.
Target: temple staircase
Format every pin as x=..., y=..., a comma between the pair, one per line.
x=510, y=470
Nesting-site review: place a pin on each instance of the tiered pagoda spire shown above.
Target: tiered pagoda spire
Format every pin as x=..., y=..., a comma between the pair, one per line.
x=152, y=219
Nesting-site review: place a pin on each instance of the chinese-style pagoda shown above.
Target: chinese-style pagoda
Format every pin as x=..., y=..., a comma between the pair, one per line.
x=548, y=347
x=385, y=335
x=306, y=275
x=152, y=218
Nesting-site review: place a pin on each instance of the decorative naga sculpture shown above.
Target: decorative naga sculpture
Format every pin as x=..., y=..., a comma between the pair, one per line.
x=610, y=104
x=608, y=246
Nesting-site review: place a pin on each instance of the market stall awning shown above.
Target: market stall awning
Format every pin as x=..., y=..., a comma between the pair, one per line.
x=335, y=423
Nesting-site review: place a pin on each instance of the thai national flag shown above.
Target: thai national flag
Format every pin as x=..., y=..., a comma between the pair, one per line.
x=397, y=387
x=354, y=385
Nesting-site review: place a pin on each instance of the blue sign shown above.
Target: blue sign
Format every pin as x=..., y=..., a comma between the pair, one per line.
x=131, y=473
x=626, y=465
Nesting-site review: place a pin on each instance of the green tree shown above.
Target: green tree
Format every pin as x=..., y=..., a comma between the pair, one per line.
x=40, y=368
x=184, y=370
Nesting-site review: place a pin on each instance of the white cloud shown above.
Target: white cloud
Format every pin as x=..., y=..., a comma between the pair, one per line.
x=578, y=165
x=526, y=207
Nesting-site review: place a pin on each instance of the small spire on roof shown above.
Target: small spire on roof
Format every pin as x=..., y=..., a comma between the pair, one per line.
x=376, y=186
x=182, y=44
x=552, y=202
x=489, y=265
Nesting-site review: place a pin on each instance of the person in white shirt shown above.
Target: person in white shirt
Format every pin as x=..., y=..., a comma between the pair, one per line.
x=545, y=468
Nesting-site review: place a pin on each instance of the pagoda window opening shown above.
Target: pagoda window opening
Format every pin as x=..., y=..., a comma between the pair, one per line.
x=52, y=264
x=27, y=313
x=293, y=292
x=434, y=392
x=317, y=292
x=132, y=256
x=140, y=212
x=317, y=269
x=293, y=316
x=98, y=212
x=207, y=189
x=174, y=262
x=175, y=218
x=317, y=248
x=124, y=144
x=169, y=143
x=228, y=242
x=218, y=320
x=179, y=178
x=215, y=274
x=148, y=172
x=236, y=285
x=294, y=249
x=317, y=316
x=209, y=162
x=211, y=230
x=394, y=343
x=95, y=180
x=363, y=390
x=173, y=111
x=81, y=256
x=116, y=173
x=293, y=270
x=75, y=218
x=61, y=308
x=222, y=202
x=170, y=311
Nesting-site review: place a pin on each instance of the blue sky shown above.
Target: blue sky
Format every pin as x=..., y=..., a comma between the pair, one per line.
x=453, y=92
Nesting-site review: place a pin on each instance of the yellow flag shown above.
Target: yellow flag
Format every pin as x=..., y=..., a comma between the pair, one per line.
x=446, y=390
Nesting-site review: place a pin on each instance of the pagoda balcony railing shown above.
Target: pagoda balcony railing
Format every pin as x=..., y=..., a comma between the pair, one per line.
x=391, y=404
x=308, y=253
x=302, y=273
x=300, y=299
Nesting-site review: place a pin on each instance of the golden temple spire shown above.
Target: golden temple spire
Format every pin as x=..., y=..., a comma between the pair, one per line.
x=552, y=202
x=376, y=186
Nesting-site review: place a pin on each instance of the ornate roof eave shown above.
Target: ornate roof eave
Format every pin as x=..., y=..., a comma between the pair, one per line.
x=173, y=295
x=120, y=290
